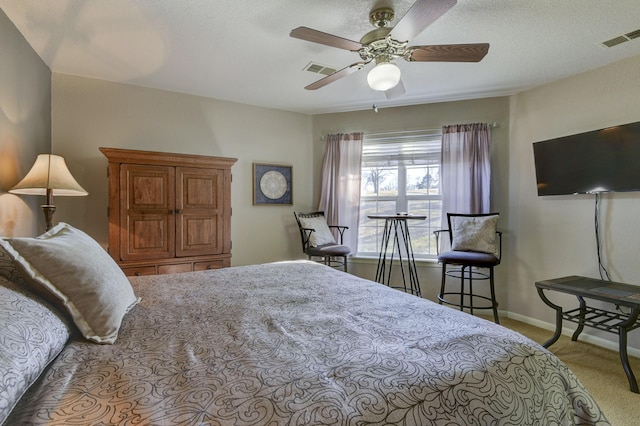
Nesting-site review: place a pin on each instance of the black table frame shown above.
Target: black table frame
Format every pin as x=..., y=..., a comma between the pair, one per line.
x=620, y=323
x=398, y=224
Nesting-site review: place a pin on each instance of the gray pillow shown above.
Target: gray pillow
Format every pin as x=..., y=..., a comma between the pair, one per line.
x=322, y=234
x=475, y=233
x=31, y=336
x=78, y=271
x=9, y=269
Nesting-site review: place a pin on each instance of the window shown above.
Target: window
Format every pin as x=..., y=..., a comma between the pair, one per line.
x=401, y=173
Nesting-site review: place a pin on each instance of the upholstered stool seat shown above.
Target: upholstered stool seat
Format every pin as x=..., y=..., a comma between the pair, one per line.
x=483, y=260
x=329, y=250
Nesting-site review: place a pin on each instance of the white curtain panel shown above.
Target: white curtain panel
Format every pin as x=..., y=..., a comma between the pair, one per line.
x=340, y=193
x=466, y=168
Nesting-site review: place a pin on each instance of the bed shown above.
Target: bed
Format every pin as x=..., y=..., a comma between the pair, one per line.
x=284, y=343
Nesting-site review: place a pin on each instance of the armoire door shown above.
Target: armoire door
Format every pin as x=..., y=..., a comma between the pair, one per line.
x=147, y=199
x=199, y=211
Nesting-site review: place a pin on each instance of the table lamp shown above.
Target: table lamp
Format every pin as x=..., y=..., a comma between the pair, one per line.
x=49, y=175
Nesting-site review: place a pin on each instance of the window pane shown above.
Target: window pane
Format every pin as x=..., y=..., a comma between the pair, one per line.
x=423, y=180
x=370, y=230
x=422, y=238
x=379, y=181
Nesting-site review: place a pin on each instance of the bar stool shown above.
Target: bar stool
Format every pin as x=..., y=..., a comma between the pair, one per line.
x=476, y=244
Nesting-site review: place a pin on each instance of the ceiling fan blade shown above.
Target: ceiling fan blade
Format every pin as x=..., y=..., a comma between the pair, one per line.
x=422, y=14
x=449, y=52
x=336, y=75
x=396, y=91
x=316, y=36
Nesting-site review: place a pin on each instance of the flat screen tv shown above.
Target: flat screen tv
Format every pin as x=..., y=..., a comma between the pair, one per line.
x=605, y=160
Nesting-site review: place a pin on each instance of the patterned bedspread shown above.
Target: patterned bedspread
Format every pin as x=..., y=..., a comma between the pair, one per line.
x=299, y=343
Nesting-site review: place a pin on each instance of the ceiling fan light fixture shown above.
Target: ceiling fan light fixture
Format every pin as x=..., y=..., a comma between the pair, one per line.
x=383, y=76
x=385, y=44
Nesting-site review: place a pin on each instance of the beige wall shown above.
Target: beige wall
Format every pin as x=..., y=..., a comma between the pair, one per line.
x=554, y=236
x=25, y=127
x=430, y=116
x=89, y=113
x=544, y=236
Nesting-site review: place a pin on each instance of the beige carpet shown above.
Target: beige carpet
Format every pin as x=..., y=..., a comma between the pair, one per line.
x=599, y=370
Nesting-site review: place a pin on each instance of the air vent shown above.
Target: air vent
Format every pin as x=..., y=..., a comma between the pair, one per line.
x=633, y=34
x=319, y=69
x=615, y=41
x=622, y=38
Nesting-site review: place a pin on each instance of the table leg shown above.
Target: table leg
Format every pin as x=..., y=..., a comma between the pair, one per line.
x=583, y=309
x=398, y=224
x=558, y=309
x=382, y=259
x=622, y=337
x=389, y=226
x=414, y=285
x=413, y=271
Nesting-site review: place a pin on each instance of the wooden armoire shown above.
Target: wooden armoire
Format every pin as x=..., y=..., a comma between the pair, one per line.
x=168, y=212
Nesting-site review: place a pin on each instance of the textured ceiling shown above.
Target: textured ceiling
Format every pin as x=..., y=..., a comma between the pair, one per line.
x=240, y=50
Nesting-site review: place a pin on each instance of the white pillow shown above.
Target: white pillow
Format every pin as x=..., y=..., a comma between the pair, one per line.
x=322, y=234
x=79, y=272
x=475, y=233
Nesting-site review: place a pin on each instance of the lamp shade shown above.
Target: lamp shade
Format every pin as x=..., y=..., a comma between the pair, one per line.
x=49, y=172
x=383, y=76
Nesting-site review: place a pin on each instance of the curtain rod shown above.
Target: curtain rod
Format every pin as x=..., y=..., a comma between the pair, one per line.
x=404, y=132
x=409, y=132
x=394, y=133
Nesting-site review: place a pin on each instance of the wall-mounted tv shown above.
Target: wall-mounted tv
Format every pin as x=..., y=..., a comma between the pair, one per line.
x=605, y=160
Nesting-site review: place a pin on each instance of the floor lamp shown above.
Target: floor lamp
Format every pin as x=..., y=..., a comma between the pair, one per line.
x=49, y=175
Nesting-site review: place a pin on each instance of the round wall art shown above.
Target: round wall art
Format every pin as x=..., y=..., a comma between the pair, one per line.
x=272, y=184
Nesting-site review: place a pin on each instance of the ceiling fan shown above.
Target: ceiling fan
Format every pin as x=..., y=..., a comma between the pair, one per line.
x=384, y=44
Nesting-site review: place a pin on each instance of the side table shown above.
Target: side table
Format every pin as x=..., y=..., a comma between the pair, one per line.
x=620, y=323
x=397, y=224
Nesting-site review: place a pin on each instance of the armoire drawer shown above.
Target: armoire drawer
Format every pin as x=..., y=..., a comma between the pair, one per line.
x=211, y=264
x=132, y=271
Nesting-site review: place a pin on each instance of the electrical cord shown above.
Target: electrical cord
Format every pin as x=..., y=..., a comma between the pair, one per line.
x=601, y=268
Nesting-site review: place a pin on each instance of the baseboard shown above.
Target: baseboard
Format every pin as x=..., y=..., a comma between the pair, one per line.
x=584, y=336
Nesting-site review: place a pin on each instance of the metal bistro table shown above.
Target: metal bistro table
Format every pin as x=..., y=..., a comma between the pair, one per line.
x=613, y=320
x=401, y=240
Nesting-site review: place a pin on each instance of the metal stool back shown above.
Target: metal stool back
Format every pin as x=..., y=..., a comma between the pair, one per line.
x=332, y=254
